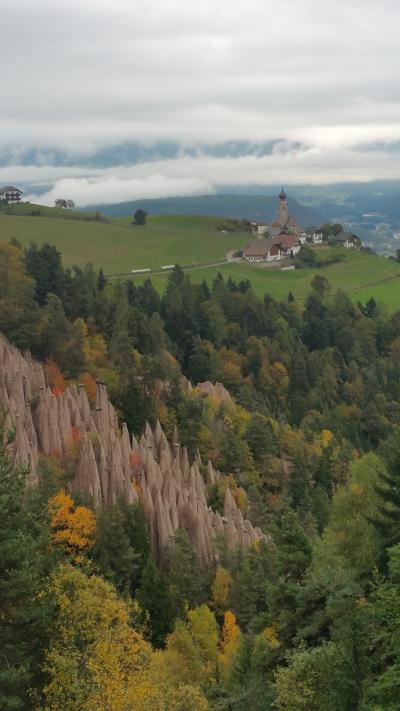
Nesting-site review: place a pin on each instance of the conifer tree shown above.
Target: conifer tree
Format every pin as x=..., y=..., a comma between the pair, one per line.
x=113, y=553
x=387, y=519
x=186, y=578
x=387, y=490
x=293, y=559
x=22, y=576
x=101, y=280
x=153, y=598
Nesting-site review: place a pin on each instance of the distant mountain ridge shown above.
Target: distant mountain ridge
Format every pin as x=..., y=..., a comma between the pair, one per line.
x=251, y=207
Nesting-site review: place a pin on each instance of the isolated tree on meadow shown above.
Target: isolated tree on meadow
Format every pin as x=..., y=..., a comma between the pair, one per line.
x=320, y=284
x=140, y=217
x=66, y=204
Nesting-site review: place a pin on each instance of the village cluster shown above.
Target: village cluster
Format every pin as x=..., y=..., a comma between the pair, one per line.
x=284, y=237
x=276, y=242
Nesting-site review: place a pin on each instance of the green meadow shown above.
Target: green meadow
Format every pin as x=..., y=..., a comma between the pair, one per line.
x=194, y=241
x=118, y=247
x=359, y=274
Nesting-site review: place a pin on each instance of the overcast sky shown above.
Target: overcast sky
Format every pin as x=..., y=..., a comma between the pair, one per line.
x=79, y=76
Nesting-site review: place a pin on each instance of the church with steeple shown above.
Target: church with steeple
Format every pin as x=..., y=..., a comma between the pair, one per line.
x=284, y=221
x=283, y=224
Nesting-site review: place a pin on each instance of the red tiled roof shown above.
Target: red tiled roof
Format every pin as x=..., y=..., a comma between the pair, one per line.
x=286, y=241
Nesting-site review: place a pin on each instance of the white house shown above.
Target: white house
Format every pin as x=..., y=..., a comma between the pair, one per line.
x=10, y=194
x=314, y=235
x=318, y=237
x=259, y=229
x=347, y=239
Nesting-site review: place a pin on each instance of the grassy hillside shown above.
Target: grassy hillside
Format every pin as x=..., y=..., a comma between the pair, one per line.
x=361, y=275
x=25, y=209
x=118, y=247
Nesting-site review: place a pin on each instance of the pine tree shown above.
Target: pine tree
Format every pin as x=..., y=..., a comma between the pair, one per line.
x=387, y=520
x=44, y=265
x=113, y=554
x=293, y=559
x=152, y=596
x=101, y=280
x=387, y=490
x=54, y=328
x=186, y=578
x=22, y=576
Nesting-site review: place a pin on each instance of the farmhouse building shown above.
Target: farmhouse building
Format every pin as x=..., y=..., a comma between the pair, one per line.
x=347, y=239
x=10, y=194
x=261, y=250
x=259, y=229
x=271, y=250
x=314, y=235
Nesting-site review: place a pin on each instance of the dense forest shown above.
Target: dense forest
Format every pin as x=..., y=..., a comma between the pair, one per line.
x=309, y=445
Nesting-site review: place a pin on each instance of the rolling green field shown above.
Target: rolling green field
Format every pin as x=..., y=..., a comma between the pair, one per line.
x=358, y=275
x=119, y=247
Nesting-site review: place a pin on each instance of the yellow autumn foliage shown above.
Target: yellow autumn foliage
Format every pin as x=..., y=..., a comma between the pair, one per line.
x=221, y=588
x=270, y=636
x=72, y=528
x=230, y=643
x=96, y=661
x=326, y=437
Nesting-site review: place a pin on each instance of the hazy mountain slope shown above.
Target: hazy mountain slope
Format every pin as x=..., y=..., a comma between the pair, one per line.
x=251, y=207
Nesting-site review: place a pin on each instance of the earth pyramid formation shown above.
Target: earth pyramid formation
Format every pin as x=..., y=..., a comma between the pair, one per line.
x=108, y=464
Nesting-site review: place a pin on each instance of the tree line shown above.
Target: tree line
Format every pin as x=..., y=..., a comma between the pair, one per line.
x=310, y=447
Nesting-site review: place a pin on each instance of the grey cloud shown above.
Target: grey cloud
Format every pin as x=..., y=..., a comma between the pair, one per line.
x=94, y=74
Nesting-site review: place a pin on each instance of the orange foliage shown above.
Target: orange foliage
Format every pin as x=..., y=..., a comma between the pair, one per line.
x=75, y=435
x=73, y=528
x=135, y=459
x=55, y=377
x=229, y=643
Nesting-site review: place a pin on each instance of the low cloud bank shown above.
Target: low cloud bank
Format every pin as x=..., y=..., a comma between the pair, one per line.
x=109, y=189
x=199, y=175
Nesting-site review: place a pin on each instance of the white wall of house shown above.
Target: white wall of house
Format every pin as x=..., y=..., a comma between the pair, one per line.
x=274, y=257
x=317, y=238
x=253, y=259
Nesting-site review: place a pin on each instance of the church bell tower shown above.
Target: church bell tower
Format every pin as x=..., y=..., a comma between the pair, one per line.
x=283, y=213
